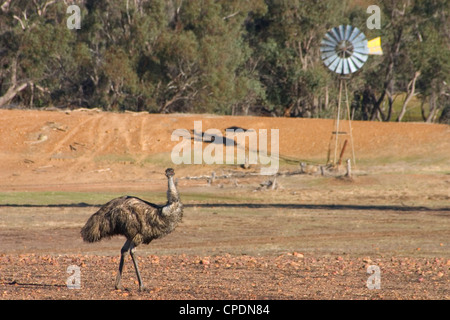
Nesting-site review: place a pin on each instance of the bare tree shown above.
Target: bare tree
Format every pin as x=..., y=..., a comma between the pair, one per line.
x=410, y=93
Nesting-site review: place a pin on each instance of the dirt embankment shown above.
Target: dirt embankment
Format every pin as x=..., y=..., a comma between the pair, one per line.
x=87, y=149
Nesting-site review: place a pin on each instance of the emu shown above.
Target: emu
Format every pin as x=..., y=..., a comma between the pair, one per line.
x=138, y=220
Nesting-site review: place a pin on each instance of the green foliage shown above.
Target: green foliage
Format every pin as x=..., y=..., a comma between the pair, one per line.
x=226, y=57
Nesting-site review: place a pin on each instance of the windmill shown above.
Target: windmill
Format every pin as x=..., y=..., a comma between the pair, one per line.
x=344, y=50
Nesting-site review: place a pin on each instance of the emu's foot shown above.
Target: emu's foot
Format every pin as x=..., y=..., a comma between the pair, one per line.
x=143, y=289
x=119, y=287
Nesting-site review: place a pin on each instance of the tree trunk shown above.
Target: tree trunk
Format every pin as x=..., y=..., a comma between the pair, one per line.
x=390, y=102
x=409, y=94
x=14, y=89
x=434, y=109
x=11, y=93
x=389, y=75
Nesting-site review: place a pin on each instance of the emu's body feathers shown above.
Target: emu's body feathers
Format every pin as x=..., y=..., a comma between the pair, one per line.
x=134, y=218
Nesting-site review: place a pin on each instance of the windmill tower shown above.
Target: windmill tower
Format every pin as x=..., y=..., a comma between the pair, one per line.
x=344, y=50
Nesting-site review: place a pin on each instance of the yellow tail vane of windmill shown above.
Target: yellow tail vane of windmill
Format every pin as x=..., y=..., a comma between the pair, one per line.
x=374, y=46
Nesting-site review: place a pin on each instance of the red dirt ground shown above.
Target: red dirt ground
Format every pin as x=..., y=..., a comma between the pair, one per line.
x=311, y=239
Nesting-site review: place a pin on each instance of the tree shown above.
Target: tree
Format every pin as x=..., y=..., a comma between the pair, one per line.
x=286, y=40
x=39, y=54
x=227, y=57
x=208, y=58
x=432, y=55
x=414, y=34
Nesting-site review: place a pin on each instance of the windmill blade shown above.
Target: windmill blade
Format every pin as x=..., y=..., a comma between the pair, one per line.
x=330, y=60
x=328, y=45
x=345, y=67
x=348, y=32
x=328, y=38
x=361, y=47
x=359, y=56
x=359, y=38
x=342, y=32
x=335, y=34
x=339, y=67
x=357, y=63
x=334, y=64
x=352, y=66
x=327, y=54
x=355, y=32
x=345, y=49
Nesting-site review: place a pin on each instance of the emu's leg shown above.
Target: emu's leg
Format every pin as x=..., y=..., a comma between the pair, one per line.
x=141, y=284
x=123, y=254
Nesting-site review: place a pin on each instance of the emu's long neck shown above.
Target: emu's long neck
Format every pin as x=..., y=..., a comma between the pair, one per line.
x=172, y=192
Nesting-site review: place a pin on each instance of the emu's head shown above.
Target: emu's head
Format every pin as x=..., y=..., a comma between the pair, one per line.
x=170, y=172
